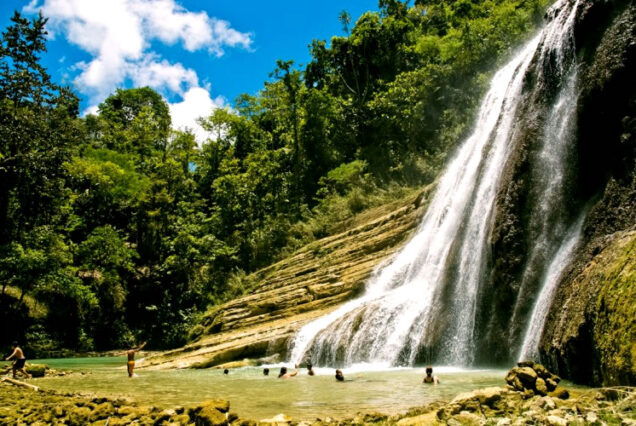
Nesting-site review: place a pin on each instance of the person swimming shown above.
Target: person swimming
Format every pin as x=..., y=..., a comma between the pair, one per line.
x=430, y=379
x=310, y=369
x=285, y=375
x=339, y=376
x=265, y=371
x=226, y=371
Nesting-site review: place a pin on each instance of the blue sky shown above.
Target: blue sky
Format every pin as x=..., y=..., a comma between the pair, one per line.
x=199, y=54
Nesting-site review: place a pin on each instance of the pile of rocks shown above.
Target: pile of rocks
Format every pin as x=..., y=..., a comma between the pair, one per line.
x=532, y=379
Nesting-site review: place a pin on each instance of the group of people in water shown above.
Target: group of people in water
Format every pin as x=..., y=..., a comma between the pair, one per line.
x=285, y=374
x=19, y=365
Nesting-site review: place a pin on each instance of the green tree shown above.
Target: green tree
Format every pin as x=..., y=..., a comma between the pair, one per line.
x=37, y=130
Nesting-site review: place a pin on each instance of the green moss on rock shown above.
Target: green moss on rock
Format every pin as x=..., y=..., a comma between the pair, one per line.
x=36, y=370
x=615, y=325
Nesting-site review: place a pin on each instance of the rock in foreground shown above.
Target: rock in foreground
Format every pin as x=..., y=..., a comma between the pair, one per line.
x=532, y=379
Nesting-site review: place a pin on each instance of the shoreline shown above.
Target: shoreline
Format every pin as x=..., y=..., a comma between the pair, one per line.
x=489, y=406
x=528, y=395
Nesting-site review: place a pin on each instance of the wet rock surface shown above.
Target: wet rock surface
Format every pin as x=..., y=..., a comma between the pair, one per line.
x=590, y=337
x=590, y=331
x=20, y=406
x=312, y=282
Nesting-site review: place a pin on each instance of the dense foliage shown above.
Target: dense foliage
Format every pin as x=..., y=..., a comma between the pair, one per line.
x=116, y=227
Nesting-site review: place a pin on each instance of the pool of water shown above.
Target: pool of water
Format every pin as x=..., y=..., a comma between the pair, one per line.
x=255, y=396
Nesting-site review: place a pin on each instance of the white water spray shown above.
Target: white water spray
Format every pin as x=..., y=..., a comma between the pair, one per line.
x=399, y=313
x=530, y=347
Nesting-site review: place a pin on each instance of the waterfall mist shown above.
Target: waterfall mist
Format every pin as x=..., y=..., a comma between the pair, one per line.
x=424, y=304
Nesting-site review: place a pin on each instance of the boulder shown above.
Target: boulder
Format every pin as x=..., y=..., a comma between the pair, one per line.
x=560, y=393
x=527, y=376
x=79, y=415
x=36, y=370
x=487, y=396
x=550, y=384
x=531, y=379
x=541, y=387
x=102, y=411
x=210, y=413
x=541, y=371
x=208, y=416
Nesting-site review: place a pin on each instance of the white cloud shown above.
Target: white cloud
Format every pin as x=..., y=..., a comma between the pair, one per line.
x=93, y=109
x=118, y=34
x=196, y=103
x=163, y=75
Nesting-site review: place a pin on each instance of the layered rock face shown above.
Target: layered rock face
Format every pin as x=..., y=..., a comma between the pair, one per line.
x=600, y=164
x=290, y=293
x=600, y=182
x=590, y=333
x=589, y=329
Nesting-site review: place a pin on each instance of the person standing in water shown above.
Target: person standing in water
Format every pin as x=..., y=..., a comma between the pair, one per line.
x=430, y=379
x=131, y=358
x=310, y=369
x=20, y=360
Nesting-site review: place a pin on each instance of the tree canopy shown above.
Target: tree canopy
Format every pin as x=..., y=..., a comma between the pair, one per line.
x=125, y=228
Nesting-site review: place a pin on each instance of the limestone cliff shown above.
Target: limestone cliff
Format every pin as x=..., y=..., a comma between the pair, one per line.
x=290, y=293
x=591, y=330
x=589, y=333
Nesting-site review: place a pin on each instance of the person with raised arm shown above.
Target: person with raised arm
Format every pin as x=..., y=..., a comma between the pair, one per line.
x=285, y=375
x=131, y=358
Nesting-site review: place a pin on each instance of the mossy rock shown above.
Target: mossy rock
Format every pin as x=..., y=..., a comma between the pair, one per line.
x=208, y=416
x=615, y=328
x=102, y=411
x=36, y=370
x=560, y=393
x=79, y=415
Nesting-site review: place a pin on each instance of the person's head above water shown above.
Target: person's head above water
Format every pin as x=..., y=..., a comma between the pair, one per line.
x=226, y=371
x=339, y=375
x=266, y=371
x=283, y=371
x=429, y=378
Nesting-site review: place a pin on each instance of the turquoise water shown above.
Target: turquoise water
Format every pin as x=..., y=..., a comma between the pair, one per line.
x=254, y=396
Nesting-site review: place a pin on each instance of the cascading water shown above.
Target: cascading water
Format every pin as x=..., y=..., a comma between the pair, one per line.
x=530, y=347
x=427, y=296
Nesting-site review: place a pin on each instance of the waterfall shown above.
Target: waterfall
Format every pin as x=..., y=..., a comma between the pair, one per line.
x=427, y=295
x=530, y=347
